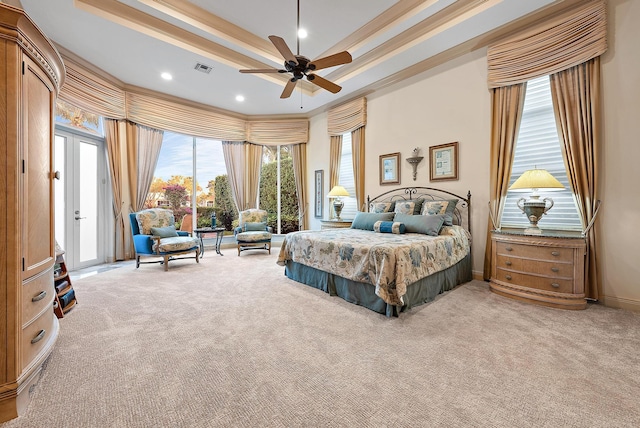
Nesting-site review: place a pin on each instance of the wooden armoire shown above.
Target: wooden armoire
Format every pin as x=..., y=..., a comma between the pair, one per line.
x=31, y=72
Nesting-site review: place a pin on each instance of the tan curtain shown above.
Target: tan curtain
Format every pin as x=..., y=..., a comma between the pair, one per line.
x=143, y=149
x=335, y=152
x=114, y=154
x=570, y=39
x=252, y=172
x=576, y=103
x=507, y=104
x=357, y=144
x=277, y=132
x=299, y=155
x=234, y=162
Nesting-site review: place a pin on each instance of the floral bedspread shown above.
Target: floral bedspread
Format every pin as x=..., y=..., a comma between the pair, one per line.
x=389, y=262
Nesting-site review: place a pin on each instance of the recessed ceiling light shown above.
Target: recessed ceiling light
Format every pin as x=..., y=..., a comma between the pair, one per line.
x=166, y=76
x=240, y=98
x=302, y=33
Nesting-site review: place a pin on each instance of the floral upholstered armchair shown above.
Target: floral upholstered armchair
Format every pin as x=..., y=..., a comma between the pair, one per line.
x=155, y=235
x=252, y=232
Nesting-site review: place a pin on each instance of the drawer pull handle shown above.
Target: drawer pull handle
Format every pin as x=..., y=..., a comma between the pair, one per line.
x=555, y=285
x=555, y=269
x=508, y=263
x=39, y=336
x=508, y=277
x=509, y=248
x=39, y=296
x=555, y=253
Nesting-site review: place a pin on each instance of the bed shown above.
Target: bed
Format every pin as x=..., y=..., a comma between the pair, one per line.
x=410, y=245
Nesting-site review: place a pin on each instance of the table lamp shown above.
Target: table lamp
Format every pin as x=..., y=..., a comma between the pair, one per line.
x=534, y=208
x=337, y=192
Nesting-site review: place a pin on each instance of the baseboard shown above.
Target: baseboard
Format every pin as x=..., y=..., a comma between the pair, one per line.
x=620, y=303
x=478, y=275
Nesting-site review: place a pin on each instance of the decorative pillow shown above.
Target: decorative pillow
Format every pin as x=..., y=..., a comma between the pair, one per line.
x=154, y=217
x=445, y=208
x=382, y=207
x=425, y=224
x=389, y=227
x=164, y=232
x=409, y=207
x=254, y=227
x=365, y=221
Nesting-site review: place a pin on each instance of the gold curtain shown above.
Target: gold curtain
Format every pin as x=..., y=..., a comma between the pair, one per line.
x=143, y=149
x=114, y=153
x=555, y=45
x=234, y=161
x=507, y=104
x=299, y=155
x=253, y=154
x=276, y=132
x=576, y=104
x=357, y=144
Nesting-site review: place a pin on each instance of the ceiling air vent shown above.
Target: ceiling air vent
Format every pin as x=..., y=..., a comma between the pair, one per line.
x=203, y=68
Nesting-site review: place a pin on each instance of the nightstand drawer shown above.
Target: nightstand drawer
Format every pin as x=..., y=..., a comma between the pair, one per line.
x=551, y=268
x=534, y=252
x=538, y=282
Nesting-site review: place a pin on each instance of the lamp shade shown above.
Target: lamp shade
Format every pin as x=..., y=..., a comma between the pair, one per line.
x=536, y=179
x=338, y=191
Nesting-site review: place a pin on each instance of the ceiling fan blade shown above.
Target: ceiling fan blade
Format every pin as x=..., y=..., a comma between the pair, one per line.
x=324, y=83
x=284, y=50
x=288, y=89
x=263, y=70
x=340, y=58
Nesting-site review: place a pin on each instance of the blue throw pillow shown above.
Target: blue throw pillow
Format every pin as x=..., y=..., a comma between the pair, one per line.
x=425, y=224
x=253, y=227
x=365, y=221
x=389, y=227
x=164, y=232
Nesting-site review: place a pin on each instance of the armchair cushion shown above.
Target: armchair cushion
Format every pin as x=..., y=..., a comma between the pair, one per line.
x=164, y=232
x=177, y=243
x=253, y=236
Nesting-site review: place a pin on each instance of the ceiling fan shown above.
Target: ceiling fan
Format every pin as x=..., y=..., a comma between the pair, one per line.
x=300, y=66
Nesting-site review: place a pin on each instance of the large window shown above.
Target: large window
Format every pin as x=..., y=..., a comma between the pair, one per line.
x=347, y=179
x=278, y=195
x=538, y=146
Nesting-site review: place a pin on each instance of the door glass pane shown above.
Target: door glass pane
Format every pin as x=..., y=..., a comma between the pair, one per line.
x=59, y=186
x=88, y=202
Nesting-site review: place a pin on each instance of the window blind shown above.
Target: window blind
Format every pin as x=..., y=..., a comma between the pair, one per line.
x=538, y=146
x=347, y=179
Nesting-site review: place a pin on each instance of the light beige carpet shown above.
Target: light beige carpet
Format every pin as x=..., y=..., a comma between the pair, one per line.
x=231, y=342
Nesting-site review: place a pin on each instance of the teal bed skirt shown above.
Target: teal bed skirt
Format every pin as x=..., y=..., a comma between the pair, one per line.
x=363, y=294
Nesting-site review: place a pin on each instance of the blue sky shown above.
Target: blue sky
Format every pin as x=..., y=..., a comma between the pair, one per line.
x=177, y=153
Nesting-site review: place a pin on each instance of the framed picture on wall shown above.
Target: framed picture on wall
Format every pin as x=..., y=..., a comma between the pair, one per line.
x=319, y=180
x=443, y=162
x=390, y=168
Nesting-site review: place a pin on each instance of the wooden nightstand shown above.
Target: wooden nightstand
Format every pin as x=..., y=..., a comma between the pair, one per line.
x=335, y=224
x=545, y=269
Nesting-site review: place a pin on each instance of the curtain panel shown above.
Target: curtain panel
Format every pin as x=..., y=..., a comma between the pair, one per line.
x=143, y=149
x=347, y=117
x=299, y=156
x=114, y=154
x=358, y=160
x=568, y=40
x=576, y=102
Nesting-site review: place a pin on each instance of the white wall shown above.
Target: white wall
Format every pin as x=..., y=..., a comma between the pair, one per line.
x=452, y=103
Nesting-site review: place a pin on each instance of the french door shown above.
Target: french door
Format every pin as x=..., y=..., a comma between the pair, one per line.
x=79, y=197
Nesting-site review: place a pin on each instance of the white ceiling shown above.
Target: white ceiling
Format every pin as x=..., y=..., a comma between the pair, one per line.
x=135, y=40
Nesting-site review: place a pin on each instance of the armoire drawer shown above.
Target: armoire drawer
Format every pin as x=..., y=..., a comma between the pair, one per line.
x=37, y=292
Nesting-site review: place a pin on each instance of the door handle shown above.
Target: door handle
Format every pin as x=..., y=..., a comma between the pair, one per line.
x=79, y=218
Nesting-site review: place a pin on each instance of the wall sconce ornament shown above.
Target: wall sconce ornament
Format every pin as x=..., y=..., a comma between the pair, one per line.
x=414, y=161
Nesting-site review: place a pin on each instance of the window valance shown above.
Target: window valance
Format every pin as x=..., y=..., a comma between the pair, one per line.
x=563, y=42
x=274, y=132
x=347, y=117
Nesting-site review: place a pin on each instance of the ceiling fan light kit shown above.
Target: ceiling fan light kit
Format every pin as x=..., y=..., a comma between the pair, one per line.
x=300, y=66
